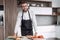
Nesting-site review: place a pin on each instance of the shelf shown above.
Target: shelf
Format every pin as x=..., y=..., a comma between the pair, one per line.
x=42, y=0
x=38, y=3
x=56, y=11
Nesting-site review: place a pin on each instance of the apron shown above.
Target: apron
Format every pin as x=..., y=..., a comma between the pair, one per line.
x=26, y=26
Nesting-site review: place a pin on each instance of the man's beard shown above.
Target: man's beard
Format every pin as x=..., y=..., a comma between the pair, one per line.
x=25, y=10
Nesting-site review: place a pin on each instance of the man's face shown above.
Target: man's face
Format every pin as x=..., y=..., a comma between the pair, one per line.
x=25, y=7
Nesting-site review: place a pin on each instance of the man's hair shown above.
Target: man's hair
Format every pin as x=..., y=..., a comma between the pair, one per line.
x=22, y=2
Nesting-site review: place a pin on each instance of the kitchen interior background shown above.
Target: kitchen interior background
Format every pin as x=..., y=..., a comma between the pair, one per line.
x=47, y=16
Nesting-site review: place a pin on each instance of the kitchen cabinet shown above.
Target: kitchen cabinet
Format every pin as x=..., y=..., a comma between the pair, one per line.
x=42, y=10
x=1, y=33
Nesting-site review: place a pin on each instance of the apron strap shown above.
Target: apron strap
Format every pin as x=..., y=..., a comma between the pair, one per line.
x=28, y=13
x=22, y=15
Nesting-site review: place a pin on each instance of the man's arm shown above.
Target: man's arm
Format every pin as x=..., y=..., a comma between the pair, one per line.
x=34, y=23
x=18, y=24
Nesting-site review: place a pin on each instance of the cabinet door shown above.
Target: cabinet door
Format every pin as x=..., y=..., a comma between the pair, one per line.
x=1, y=33
x=42, y=10
x=10, y=16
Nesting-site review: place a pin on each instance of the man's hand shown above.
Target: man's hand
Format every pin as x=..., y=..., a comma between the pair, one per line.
x=15, y=36
x=35, y=33
x=18, y=38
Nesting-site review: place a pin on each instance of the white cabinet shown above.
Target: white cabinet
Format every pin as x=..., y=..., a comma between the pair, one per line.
x=41, y=0
x=42, y=10
x=46, y=31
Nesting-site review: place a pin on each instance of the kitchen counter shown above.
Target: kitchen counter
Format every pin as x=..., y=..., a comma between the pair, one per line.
x=25, y=38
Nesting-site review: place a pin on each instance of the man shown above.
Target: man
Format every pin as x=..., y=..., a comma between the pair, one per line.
x=26, y=21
